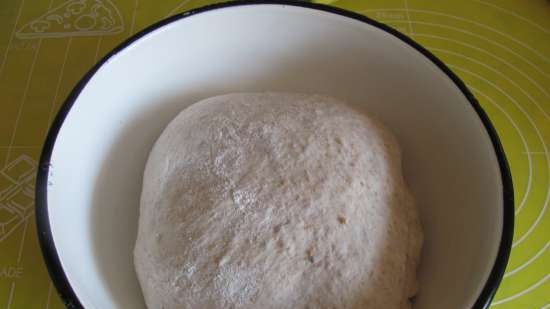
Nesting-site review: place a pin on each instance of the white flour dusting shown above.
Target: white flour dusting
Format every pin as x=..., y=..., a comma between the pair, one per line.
x=276, y=201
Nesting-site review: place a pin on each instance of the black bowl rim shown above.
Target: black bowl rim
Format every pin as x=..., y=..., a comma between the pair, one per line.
x=47, y=244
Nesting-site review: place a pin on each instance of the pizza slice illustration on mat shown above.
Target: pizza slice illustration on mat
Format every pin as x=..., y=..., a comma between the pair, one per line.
x=75, y=18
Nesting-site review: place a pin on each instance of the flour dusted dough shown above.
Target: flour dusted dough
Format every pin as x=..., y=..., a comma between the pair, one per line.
x=276, y=201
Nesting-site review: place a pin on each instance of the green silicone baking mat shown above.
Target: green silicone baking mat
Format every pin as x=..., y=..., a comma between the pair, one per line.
x=500, y=48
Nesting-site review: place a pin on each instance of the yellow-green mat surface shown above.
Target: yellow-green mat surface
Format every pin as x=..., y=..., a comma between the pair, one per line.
x=500, y=48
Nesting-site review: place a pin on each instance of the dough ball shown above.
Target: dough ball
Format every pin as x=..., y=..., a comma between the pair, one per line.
x=276, y=201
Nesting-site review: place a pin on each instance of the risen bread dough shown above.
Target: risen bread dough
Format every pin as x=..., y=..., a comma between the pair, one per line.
x=276, y=201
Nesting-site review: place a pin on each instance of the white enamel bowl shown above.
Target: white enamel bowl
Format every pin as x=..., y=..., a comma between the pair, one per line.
x=91, y=167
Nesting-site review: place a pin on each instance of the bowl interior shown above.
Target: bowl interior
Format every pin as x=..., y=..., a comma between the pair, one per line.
x=100, y=152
